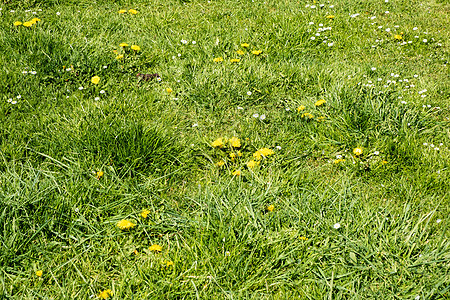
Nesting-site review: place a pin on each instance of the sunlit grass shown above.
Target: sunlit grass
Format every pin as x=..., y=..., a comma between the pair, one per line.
x=265, y=150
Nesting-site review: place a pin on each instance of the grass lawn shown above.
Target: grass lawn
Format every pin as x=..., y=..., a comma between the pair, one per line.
x=227, y=149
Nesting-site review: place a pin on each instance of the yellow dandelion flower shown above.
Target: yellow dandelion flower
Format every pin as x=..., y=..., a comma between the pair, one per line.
x=232, y=156
x=122, y=11
x=338, y=160
x=320, y=102
x=235, y=60
x=125, y=224
x=218, y=143
x=383, y=162
x=300, y=108
x=256, y=52
x=167, y=263
x=320, y=119
x=240, y=52
x=264, y=152
x=39, y=273
x=135, y=252
x=239, y=153
x=17, y=23
x=120, y=56
x=133, y=11
x=145, y=213
x=398, y=37
x=270, y=207
x=123, y=45
x=358, y=151
x=220, y=163
x=236, y=173
x=95, y=80
x=304, y=238
x=135, y=48
x=245, y=45
x=235, y=142
x=27, y=24
x=218, y=59
x=105, y=294
x=307, y=116
x=99, y=174
x=330, y=17
x=155, y=247
x=169, y=90
x=251, y=164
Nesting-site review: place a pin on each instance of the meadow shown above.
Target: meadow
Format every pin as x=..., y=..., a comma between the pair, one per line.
x=224, y=149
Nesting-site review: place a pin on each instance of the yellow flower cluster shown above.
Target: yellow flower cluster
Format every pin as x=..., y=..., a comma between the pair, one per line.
x=239, y=52
x=27, y=23
x=131, y=11
x=307, y=116
x=155, y=247
x=320, y=102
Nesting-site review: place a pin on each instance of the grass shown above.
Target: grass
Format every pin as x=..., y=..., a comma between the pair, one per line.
x=312, y=220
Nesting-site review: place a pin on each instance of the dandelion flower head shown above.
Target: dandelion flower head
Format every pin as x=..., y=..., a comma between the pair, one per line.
x=320, y=102
x=125, y=224
x=218, y=59
x=256, y=52
x=218, y=143
x=95, y=80
x=240, y=52
x=358, y=151
x=133, y=11
x=300, y=108
x=135, y=48
x=155, y=247
x=245, y=45
x=17, y=23
x=122, y=11
x=145, y=213
x=264, y=152
x=236, y=173
x=105, y=294
x=123, y=45
x=235, y=142
x=270, y=207
x=39, y=273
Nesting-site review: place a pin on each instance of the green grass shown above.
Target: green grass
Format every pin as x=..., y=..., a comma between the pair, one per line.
x=155, y=150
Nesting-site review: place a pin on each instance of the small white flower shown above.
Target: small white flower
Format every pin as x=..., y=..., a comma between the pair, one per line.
x=417, y=297
x=354, y=15
x=331, y=6
x=317, y=34
x=372, y=17
x=322, y=5
x=425, y=40
x=58, y=13
x=80, y=88
x=194, y=42
x=379, y=79
x=313, y=38
x=176, y=99
x=68, y=69
x=288, y=109
x=311, y=23
x=194, y=125
x=255, y=115
x=184, y=42
x=179, y=54
x=388, y=29
x=13, y=102
x=386, y=12
x=338, y=156
x=425, y=144
x=415, y=76
x=373, y=68
x=33, y=72
x=441, y=144
x=278, y=147
x=438, y=221
x=9, y=100
x=337, y=226
x=320, y=25
x=431, y=145
x=105, y=67
x=262, y=117
x=240, y=108
x=227, y=253
x=415, y=28
x=330, y=44
x=24, y=72
x=381, y=26
x=158, y=78
x=437, y=149
x=97, y=98
x=249, y=93
x=416, y=36
x=313, y=6
x=19, y=96
x=102, y=92
x=376, y=153
x=403, y=102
